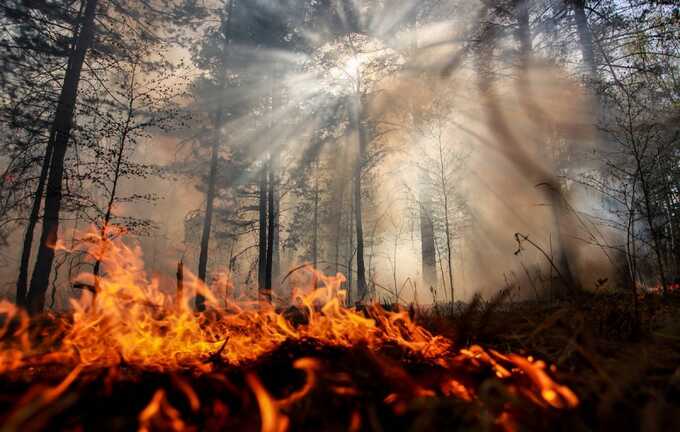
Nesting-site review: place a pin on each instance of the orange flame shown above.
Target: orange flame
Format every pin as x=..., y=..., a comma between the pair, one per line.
x=132, y=321
x=160, y=415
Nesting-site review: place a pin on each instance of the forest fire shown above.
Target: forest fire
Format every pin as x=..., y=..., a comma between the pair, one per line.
x=132, y=327
x=403, y=215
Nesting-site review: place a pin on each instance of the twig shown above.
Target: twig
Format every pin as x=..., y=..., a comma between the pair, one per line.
x=217, y=355
x=522, y=237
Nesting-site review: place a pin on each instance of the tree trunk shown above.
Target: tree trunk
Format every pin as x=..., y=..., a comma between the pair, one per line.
x=179, y=294
x=557, y=204
x=362, y=288
x=199, y=301
x=22, y=280
x=59, y=138
x=428, y=252
x=315, y=218
x=270, y=190
x=262, y=244
x=674, y=231
x=447, y=223
x=338, y=227
x=114, y=186
x=585, y=37
x=523, y=34
x=350, y=247
x=427, y=247
x=276, y=250
x=271, y=222
x=209, y=206
x=275, y=199
x=649, y=216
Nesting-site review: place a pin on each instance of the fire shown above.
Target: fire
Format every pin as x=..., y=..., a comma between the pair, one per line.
x=131, y=321
x=159, y=414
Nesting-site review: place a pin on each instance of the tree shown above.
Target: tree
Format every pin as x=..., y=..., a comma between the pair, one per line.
x=638, y=157
x=144, y=101
x=57, y=145
x=585, y=37
x=91, y=39
x=219, y=71
x=37, y=40
x=441, y=169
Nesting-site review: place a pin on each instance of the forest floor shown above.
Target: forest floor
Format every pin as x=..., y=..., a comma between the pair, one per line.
x=626, y=377
x=626, y=371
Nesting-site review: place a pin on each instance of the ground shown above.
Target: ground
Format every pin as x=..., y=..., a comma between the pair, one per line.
x=626, y=376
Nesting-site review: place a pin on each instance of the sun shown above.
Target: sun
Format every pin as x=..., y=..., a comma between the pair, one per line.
x=353, y=65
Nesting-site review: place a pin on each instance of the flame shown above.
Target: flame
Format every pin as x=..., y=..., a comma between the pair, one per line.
x=160, y=415
x=132, y=321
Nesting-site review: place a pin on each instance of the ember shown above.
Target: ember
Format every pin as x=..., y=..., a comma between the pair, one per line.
x=133, y=332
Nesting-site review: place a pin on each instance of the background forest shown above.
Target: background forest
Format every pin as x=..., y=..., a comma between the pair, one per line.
x=428, y=150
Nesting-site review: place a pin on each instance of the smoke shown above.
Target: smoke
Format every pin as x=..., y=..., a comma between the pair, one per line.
x=512, y=132
x=537, y=134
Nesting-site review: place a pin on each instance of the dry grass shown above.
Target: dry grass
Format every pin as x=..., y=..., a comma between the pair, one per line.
x=625, y=371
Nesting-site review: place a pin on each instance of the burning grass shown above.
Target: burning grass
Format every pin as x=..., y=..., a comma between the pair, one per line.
x=138, y=358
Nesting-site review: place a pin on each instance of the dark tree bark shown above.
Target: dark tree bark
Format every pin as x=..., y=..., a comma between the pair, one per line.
x=315, y=218
x=262, y=244
x=271, y=228
x=523, y=31
x=209, y=206
x=22, y=280
x=199, y=301
x=338, y=210
x=585, y=37
x=179, y=294
x=427, y=247
x=362, y=287
x=315, y=224
x=273, y=261
x=350, y=247
x=59, y=138
x=276, y=252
